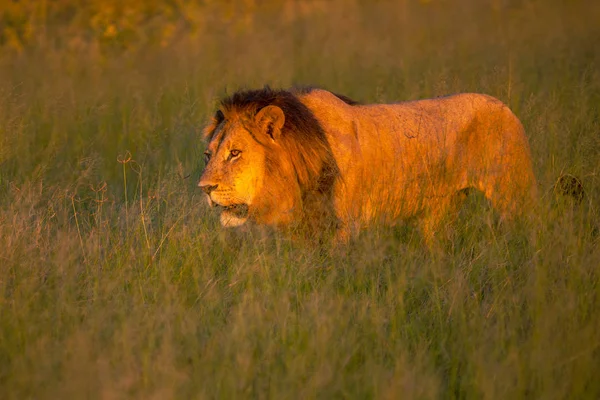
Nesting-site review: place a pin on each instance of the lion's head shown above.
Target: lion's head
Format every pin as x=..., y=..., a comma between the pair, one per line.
x=265, y=153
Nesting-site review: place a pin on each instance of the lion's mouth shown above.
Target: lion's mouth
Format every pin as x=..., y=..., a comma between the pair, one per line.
x=239, y=210
x=233, y=215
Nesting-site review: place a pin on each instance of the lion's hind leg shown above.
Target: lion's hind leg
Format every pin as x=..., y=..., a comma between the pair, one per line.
x=512, y=193
x=501, y=166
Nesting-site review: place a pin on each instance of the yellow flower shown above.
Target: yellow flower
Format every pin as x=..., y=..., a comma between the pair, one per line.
x=110, y=31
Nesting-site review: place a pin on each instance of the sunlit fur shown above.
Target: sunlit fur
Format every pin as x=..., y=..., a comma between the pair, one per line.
x=357, y=164
x=280, y=177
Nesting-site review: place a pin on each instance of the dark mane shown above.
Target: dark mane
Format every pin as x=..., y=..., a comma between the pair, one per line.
x=302, y=136
x=346, y=99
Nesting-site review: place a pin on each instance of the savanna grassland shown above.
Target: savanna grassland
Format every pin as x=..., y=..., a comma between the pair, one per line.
x=116, y=280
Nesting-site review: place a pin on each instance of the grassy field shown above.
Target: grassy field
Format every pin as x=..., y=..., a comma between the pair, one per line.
x=116, y=281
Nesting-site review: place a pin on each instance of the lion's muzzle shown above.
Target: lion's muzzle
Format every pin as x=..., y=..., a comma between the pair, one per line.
x=207, y=188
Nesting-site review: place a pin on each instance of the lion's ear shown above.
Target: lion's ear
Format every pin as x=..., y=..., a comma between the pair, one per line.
x=270, y=120
x=208, y=130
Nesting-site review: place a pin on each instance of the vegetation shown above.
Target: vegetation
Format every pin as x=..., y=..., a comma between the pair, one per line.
x=116, y=280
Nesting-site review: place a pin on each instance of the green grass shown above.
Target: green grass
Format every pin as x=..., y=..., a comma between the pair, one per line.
x=116, y=280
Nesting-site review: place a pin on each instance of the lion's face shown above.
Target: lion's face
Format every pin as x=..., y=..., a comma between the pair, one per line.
x=239, y=146
x=234, y=171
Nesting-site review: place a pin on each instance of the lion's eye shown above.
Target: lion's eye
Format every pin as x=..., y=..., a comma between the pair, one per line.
x=234, y=153
x=207, y=157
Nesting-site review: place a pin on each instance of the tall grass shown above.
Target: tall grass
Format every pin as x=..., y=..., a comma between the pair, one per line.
x=116, y=281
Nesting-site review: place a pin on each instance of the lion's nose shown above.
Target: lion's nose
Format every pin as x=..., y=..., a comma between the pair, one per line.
x=208, y=188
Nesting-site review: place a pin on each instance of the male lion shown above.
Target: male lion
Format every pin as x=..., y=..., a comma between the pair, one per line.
x=309, y=157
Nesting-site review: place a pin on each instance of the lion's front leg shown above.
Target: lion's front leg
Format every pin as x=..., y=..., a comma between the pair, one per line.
x=348, y=225
x=346, y=208
x=341, y=237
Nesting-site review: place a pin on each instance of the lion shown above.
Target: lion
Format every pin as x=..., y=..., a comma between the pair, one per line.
x=309, y=157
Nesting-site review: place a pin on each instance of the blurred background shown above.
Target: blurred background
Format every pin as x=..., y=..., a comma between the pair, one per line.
x=98, y=78
x=117, y=281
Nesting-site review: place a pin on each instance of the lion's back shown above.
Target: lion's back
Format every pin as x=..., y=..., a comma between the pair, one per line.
x=393, y=156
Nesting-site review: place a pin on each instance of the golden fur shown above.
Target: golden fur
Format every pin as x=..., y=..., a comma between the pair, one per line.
x=309, y=156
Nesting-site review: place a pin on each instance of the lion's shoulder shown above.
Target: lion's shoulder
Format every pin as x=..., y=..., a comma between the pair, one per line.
x=323, y=98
